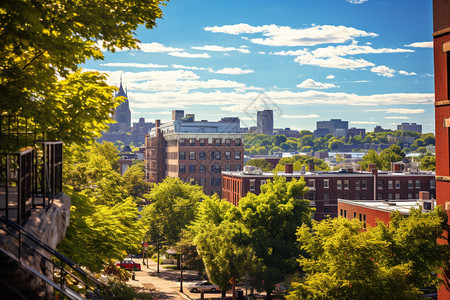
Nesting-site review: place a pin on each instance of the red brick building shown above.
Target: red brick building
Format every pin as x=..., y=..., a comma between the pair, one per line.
x=441, y=45
x=195, y=152
x=325, y=188
x=370, y=211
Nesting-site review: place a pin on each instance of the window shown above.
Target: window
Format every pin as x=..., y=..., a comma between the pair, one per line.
x=339, y=184
x=326, y=183
x=191, y=142
x=217, y=142
x=252, y=185
x=192, y=155
x=380, y=196
x=182, y=142
x=215, y=169
x=346, y=184
x=390, y=184
x=326, y=198
x=202, y=181
x=410, y=184
x=182, y=168
x=345, y=213
x=215, y=155
x=397, y=196
x=311, y=183
x=227, y=167
x=237, y=167
x=397, y=184
x=390, y=196
x=432, y=184
x=357, y=185
x=380, y=184
x=410, y=195
x=354, y=215
x=342, y=212
x=263, y=181
x=202, y=169
x=202, y=155
x=417, y=184
x=182, y=155
x=218, y=182
x=360, y=217
x=228, y=142
x=237, y=155
x=364, y=184
x=202, y=142
x=191, y=168
x=213, y=181
x=237, y=142
x=227, y=155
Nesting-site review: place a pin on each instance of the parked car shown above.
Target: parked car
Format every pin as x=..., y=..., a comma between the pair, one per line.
x=129, y=265
x=204, y=286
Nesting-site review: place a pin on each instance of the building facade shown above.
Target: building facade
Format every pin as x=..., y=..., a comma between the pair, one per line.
x=122, y=113
x=336, y=127
x=410, y=127
x=441, y=45
x=325, y=188
x=195, y=152
x=264, y=121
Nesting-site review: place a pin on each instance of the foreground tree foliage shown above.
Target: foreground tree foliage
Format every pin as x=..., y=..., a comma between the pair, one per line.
x=395, y=261
x=103, y=219
x=173, y=206
x=384, y=159
x=257, y=238
x=302, y=160
x=44, y=42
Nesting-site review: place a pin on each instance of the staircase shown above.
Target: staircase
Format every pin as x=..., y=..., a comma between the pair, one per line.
x=30, y=269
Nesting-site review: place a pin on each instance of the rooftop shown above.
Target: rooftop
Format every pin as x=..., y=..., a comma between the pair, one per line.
x=403, y=206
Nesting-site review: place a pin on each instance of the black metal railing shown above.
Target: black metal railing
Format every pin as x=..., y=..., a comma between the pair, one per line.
x=59, y=272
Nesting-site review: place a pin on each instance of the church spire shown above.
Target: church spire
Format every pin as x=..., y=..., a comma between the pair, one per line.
x=121, y=91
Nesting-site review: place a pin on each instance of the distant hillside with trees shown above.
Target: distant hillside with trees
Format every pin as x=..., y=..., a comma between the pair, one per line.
x=268, y=144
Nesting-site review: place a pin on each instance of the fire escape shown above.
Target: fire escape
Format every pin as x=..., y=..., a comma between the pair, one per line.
x=30, y=180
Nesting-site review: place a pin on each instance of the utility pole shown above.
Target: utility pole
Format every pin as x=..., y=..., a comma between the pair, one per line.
x=157, y=262
x=181, y=270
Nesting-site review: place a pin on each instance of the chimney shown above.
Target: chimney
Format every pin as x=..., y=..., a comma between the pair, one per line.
x=288, y=168
x=424, y=195
x=157, y=123
x=311, y=166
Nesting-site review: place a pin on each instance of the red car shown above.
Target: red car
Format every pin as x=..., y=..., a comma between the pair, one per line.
x=129, y=265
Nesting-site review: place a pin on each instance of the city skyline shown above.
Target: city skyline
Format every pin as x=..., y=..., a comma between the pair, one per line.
x=368, y=62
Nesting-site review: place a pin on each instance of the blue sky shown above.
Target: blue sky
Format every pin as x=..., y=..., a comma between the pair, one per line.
x=369, y=62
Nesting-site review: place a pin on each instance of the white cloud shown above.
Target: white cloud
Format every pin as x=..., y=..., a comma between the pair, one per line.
x=157, y=47
x=215, y=48
x=234, y=71
x=134, y=65
x=407, y=111
x=310, y=116
x=354, y=49
x=261, y=52
x=189, y=67
x=421, y=45
x=356, y=1
x=189, y=55
x=290, y=52
x=333, y=62
x=406, y=73
x=398, y=118
x=287, y=36
x=383, y=71
x=184, y=85
x=311, y=84
x=363, y=122
x=331, y=76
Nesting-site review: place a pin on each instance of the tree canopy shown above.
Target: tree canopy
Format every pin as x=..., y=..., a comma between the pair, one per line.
x=395, y=261
x=43, y=44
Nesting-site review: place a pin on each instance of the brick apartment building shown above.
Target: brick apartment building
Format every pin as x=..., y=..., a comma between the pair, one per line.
x=441, y=45
x=194, y=151
x=325, y=188
x=370, y=211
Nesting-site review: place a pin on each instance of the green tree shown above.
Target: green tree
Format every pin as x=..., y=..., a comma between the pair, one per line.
x=172, y=208
x=44, y=41
x=260, y=163
x=134, y=183
x=216, y=234
x=342, y=261
x=271, y=219
x=428, y=163
x=279, y=139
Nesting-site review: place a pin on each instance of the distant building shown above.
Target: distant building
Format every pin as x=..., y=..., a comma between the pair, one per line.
x=122, y=113
x=142, y=127
x=194, y=151
x=336, y=127
x=378, y=129
x=410, y=127
x=264, y=120
x=356, y=131
x=287, y=132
